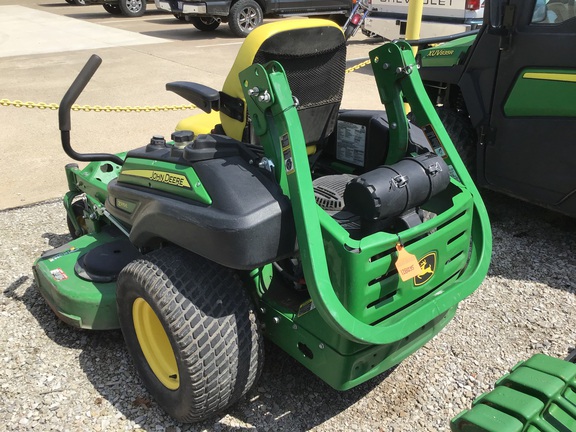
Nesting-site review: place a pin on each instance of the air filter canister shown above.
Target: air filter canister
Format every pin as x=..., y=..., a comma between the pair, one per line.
x=390, y=190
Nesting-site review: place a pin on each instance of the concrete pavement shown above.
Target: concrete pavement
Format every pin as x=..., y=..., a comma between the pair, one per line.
x=43, y=46
x=24, y=32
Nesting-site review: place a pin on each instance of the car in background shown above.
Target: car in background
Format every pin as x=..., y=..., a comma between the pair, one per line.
x=129, y=8
x=243, y=16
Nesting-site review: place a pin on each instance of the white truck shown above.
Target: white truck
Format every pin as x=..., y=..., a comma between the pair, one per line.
x=387, y=18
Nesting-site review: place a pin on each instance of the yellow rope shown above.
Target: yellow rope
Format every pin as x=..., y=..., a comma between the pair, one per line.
x=96, y=108
x=358, y=66
x=107, y=108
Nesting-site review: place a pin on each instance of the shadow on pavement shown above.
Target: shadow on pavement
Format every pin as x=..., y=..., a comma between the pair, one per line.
x=540, y=243
x=190, y=33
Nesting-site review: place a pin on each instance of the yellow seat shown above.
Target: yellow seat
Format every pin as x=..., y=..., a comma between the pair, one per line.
x=313, y=54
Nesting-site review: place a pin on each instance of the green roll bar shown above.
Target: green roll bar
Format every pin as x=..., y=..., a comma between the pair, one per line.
x=276, y=122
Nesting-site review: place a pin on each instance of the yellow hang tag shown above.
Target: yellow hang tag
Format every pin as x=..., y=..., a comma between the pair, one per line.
x=406, y=264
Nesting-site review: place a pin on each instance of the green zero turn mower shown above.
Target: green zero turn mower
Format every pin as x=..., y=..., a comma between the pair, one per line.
x=347, y=238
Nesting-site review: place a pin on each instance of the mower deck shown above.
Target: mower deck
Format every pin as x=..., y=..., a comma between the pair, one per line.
x=79, y=302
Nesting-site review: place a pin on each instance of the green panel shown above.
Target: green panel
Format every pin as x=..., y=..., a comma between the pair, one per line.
x=522, y=406
x=446, y=54
x=378, y=295
x=484, y=418
x=167, y=177
x=542, y=93
x=312, y=343
x=93, y=179
x=558, y=417
x=537, y=383
x=564, y=370
x=570, y=395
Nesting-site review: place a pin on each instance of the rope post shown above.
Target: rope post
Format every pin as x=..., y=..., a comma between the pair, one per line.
x=414, y=21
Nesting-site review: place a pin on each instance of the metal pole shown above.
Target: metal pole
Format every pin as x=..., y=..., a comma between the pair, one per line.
x=414, y=21
x=413, y=24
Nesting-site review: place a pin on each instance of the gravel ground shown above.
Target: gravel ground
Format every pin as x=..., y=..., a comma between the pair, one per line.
x=56, y=378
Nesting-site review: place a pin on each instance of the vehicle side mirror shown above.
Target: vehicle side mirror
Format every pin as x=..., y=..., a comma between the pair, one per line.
x=496, y=14
x=499, y=16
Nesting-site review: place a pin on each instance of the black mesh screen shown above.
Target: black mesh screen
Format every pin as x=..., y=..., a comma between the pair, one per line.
x=314, y=80
x=315, y=67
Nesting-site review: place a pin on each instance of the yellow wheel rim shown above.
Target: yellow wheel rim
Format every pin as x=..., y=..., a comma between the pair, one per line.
x=155, y=344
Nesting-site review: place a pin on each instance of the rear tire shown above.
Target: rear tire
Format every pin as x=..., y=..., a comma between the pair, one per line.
x=112, y=8
x=205, y=24
x=245, y=16
x=349, y=32
x=191, y=331
x=463, y=136
x=132, y=8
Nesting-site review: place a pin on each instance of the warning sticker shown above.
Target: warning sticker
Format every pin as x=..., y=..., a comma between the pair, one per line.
x=287, y=151
x=58, y=275
x=434, y=141
x=306, y=307
x=351, y=143
x=69, y=251
x=439, y=148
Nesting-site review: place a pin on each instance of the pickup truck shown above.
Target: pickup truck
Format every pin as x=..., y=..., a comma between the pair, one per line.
x=128, y=8
x=387, y=18
x=244, y=15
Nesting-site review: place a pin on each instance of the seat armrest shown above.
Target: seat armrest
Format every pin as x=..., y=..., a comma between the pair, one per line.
x=205, y=98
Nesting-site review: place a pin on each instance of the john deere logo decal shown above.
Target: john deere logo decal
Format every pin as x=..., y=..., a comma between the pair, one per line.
x=427, y=269
x=160, y=177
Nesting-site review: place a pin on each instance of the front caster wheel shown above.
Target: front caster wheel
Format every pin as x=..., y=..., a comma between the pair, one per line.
x=191, y=331
x=78, y=208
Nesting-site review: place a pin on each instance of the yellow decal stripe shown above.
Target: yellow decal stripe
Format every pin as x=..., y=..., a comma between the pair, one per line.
x=169, y=178
x=549, y=76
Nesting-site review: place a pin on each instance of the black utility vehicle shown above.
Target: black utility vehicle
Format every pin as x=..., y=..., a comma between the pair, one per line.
x=507, y=96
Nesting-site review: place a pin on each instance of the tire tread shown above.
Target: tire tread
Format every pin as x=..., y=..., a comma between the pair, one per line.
x=210, y=320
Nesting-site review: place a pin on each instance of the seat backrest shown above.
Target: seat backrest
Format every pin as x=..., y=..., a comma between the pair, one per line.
x=313, y=54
